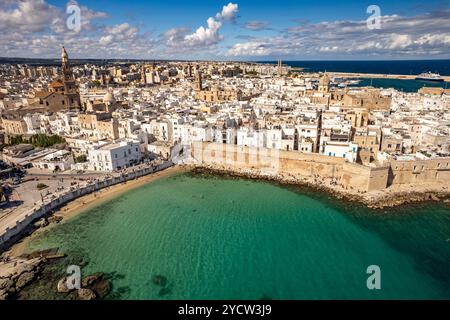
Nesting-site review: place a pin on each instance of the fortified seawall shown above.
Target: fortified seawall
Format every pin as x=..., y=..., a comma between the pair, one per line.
x=297, y=165
x=47, y=206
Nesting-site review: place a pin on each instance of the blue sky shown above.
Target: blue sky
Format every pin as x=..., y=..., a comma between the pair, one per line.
x=237, y=30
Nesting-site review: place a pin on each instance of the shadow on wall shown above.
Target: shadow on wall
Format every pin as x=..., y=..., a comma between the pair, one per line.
x=391, y=177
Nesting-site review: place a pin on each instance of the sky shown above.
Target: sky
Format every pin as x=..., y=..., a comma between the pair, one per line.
x=223, y=30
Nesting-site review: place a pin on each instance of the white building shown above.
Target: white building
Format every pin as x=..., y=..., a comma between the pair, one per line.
x=347, y=150
x=114, y=156
x=57, y=161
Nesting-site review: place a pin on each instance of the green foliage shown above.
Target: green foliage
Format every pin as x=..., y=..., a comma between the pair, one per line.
x=16, y=140
x=81, y=158
x=41, y=186
x=42, y=140
x=37, y=140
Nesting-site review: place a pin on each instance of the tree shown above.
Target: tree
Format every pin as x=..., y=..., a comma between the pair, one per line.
x=81, y=158
x=44, y=141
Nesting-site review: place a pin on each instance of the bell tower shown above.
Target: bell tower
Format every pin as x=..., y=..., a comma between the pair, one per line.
x=198, y=82
x=70, y=88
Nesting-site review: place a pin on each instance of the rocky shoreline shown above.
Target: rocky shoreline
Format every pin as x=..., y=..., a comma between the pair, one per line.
x=375, y=200
x=19, y=275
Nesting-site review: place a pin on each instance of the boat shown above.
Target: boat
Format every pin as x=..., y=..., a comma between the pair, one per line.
x=429, y=76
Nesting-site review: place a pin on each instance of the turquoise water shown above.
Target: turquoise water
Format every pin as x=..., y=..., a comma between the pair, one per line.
x=216, y=238
x=405, y=85
x=373, y=66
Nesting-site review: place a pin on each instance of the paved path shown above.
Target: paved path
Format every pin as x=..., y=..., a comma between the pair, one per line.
x=30, y=196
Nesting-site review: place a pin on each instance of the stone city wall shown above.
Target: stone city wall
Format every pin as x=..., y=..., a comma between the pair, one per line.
x=270, y=162
x=420, y=171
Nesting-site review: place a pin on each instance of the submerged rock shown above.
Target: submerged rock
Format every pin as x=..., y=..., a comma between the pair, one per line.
x=6, y=284
x=102, y=288
x=24, y=279
x=89, y=280
x=41, y=223
x=62, y=286
x=164, y=292
x=55, y=219
x=98, y=284
x=86, y=294
x=3, y=295
x=159, y=280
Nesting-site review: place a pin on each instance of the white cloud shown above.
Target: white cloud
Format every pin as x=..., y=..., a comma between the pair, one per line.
x=257, y=25
x=249, y=49
x=106, y=40
x=229, y=12
x=27, y=16
x=329, y=49
x=179, y=40
x=37, y=28
x=399, y=41
x=434, y=39
x=205, y=36
x=426, y=35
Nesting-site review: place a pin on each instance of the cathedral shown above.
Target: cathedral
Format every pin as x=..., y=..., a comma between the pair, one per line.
x=62, y=93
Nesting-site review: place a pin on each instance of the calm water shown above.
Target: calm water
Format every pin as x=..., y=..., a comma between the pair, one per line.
x=378, y=67
x=401, y=85
x=406, y=67
x=216, y=238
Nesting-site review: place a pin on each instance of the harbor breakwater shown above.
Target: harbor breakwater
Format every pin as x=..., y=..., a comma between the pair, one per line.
x=23, y=224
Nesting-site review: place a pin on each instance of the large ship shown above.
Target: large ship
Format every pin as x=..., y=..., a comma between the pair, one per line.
x=429, y=76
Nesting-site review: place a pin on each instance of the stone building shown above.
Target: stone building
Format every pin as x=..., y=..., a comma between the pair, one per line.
x=14, y=126
x=214, y=94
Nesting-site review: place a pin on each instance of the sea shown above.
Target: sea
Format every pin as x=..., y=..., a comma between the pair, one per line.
x=406, y=67
x=213, y=237
x=402, y=67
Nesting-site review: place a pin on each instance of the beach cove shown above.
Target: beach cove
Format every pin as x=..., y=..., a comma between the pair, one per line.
x=199, y=231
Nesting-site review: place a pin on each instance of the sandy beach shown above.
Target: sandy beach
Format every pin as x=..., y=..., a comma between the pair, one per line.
x=89, y=201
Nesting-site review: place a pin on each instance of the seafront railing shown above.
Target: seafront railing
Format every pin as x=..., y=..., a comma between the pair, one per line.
x=46, y=206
